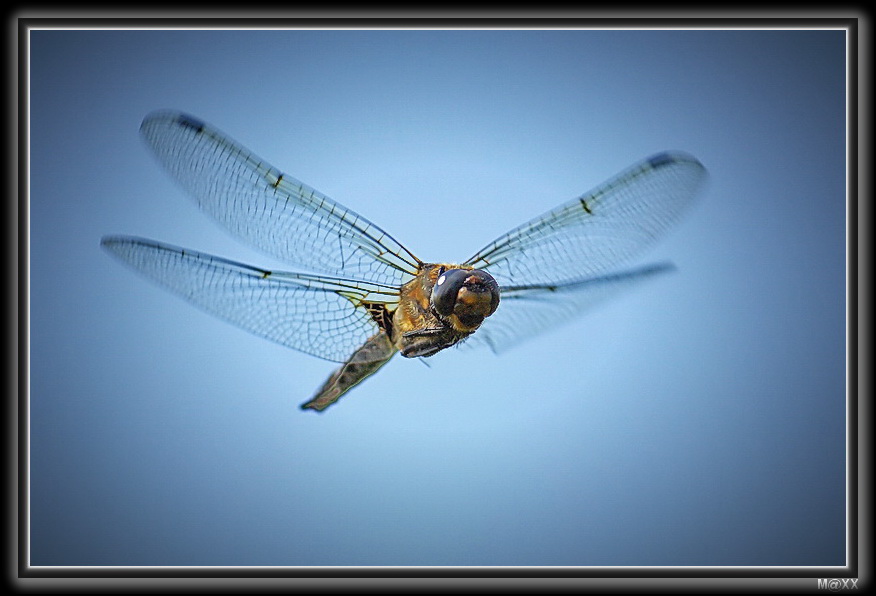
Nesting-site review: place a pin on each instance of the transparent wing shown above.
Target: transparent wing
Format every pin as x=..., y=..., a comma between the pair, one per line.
x=321, y=316
x=598, y=230
x=272, y=210
x=525, y=311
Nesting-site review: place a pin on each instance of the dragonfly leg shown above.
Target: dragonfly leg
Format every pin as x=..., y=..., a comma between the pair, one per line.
x=364, y=362
x=428, y=341
x=427, y=332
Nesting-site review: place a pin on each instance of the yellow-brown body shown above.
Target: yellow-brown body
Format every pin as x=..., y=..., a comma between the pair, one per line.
x=417, y=329
x=442, y=305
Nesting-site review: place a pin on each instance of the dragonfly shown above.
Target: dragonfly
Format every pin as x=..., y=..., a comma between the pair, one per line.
x=368, y=297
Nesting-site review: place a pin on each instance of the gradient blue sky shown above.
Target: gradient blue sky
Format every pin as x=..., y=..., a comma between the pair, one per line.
x=699, y=420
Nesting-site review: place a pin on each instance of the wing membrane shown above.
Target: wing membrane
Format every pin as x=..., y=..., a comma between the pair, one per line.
x=598, y=230
x=272, y=210
x=528, y=310
x=316, y=315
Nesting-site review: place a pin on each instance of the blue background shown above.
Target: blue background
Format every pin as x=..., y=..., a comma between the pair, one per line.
x=699, y=420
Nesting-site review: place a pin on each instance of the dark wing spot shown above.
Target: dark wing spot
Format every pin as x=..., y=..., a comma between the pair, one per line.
x=586, y=206
x=190, y=122
x=661, y=159
x=381, y=316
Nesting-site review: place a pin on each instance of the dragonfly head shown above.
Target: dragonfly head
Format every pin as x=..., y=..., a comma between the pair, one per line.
x=463, y=298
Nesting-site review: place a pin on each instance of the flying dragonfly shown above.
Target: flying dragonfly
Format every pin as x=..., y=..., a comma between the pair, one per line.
x=370, y=296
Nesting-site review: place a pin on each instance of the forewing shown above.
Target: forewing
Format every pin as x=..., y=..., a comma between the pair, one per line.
x=598, y=230
x=270, y=209
x=317, y=315
x=525, y=311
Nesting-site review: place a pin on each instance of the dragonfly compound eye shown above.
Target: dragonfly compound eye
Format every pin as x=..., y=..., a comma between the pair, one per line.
x=471, y=295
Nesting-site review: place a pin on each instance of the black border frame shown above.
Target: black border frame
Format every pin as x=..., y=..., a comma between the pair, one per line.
x=721, y=579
